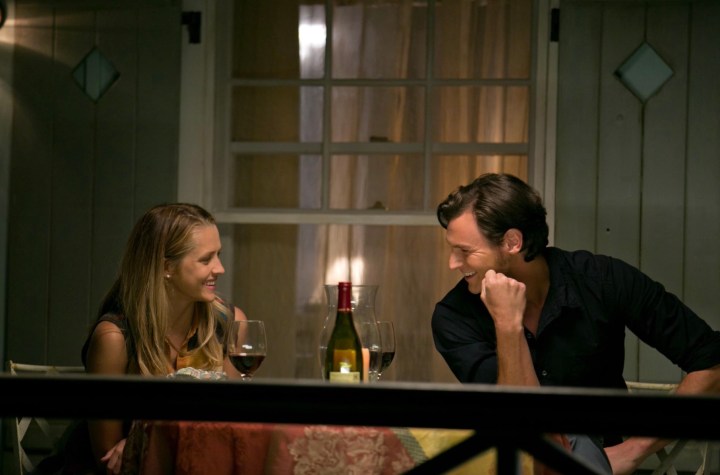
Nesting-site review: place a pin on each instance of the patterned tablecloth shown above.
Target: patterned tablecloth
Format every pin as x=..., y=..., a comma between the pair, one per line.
x=219, y=448
x=232, y=448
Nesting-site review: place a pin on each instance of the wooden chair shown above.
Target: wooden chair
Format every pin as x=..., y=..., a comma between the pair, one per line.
x=668, y=458
x=43, y=434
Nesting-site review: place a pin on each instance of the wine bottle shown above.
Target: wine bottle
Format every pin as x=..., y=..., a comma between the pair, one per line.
x=344, y=358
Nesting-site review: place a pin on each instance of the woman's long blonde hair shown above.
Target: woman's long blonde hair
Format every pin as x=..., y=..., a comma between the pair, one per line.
x=162, y=237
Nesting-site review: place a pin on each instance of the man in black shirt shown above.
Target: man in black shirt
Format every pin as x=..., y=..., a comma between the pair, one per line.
x=526, y=314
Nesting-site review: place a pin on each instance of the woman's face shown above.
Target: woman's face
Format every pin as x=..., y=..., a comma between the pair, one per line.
x=194, y=278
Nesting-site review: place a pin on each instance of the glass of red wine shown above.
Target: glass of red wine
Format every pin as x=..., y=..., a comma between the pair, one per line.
x=387, y=343
x=246, y=346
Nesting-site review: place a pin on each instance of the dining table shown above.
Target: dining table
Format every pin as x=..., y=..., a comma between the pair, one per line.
x=234, y=448
x=159, y=447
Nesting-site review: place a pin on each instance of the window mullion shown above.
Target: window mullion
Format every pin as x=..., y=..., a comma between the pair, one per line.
x=327, y=103
x=429, y=76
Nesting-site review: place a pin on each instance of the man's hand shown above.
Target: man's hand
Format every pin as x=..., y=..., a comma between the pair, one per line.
x=505, y=299
x=625, y=458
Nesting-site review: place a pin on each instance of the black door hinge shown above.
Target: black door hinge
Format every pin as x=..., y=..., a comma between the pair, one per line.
x=192, y=20
x=554, y=25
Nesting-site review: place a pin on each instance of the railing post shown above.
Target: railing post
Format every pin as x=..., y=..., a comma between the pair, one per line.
x=508, y=459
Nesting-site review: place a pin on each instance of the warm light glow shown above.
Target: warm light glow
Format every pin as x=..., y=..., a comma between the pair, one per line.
x=9, y=38
x=311, y=36
x=338, y=271
x=357, y=270
x=342, y=269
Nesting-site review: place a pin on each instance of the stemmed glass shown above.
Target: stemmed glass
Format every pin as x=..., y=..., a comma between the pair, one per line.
x=371, y=348
x=387, y=340
x=246, y=346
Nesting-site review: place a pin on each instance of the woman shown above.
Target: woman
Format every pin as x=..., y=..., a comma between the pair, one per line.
x=162, y=313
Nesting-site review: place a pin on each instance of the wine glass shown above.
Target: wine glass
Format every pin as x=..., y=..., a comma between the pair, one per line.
x=371, y=348
x=387, y=341
x=246, y=346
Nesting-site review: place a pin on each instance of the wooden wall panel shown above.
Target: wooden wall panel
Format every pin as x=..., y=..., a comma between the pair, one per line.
x=619, y=140
x=115, y=143
x=29, y=214
x=7, y=41
x=702, y=228
x=72, y=185
x=663, y=171
x=619, y=150
x=576, y=172
x=158, y=107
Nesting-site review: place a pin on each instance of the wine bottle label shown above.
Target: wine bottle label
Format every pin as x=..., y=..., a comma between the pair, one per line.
x=341, y=377
x=344, y=367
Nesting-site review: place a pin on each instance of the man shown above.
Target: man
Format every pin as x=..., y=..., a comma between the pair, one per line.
x=526, y=314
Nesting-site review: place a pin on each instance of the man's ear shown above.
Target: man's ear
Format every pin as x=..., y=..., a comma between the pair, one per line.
x=513, y=240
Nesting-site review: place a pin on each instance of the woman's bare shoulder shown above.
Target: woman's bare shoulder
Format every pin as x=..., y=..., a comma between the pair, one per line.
x=107, y=353
x=239, y=314
x=107, y=329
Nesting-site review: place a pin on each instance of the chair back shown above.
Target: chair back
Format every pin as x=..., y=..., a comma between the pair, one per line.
x=33, y=437
x=668, y=459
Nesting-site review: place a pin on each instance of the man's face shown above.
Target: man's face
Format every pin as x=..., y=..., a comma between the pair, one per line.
x=471, y=253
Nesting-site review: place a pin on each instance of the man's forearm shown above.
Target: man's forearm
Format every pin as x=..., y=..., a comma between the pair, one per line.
x=706, y=381
x=515, y=366
x=626, y=457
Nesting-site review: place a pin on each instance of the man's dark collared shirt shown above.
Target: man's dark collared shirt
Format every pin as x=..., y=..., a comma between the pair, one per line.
x=581, y=333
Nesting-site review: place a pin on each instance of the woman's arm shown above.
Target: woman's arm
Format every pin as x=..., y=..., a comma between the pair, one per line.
x=239, y=314
x=107, y=354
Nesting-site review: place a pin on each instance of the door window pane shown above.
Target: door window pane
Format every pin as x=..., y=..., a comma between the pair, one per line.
x=450, y=171
x=483, y=39
x=377, y=114
x=504, y=118
x=278, y=40
x=377, y=182
x=277, y=181
x=277, y=114
x=379, y=39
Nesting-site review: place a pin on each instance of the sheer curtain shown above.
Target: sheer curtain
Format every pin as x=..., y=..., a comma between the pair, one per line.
x=486, y=40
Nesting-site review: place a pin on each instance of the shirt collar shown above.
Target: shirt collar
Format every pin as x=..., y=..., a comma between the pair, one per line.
x=561, y=293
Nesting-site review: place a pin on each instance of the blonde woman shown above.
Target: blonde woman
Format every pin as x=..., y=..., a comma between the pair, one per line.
x=162, y=313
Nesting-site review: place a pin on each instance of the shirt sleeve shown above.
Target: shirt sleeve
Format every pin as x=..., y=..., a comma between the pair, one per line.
x=468, y=349
x=660, y=319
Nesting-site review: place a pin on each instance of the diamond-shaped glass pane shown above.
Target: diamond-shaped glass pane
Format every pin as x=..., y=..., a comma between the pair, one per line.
x=95, y=74
x=644, y=72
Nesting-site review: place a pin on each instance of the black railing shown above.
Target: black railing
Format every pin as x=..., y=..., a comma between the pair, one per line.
x=509, y=419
